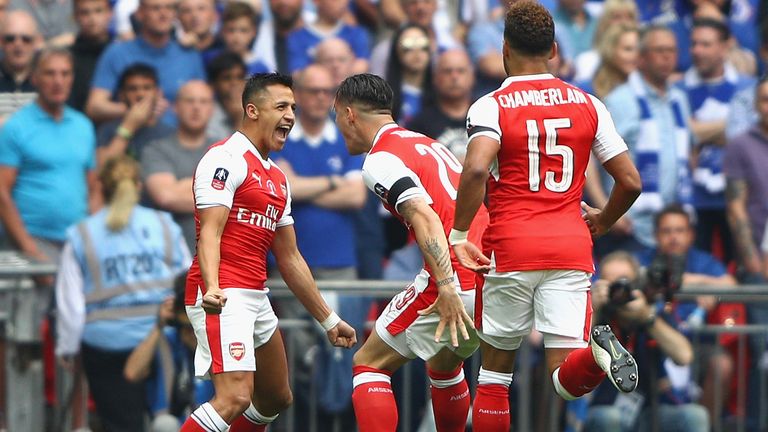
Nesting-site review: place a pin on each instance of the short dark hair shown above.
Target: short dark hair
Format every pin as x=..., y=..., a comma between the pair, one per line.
x=368, y=90
x=670, y=209
x=237, y=9
x=257, y=83
x=720, y=27
x=529, y=28
x=223, y=62
x=47, y=52
x=134, y=70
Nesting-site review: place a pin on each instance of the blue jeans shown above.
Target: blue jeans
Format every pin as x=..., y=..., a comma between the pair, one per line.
x=671, y=418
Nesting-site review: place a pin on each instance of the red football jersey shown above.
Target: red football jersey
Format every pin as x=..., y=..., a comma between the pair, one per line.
x=546, y=129
x=403, y=164
x=234, y=175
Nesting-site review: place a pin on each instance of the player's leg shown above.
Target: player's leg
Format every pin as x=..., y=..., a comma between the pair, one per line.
x=449, y=391
x=563, y=309
x=272, y=393
x=372, y=397
x=225, y=349
x=490, y=411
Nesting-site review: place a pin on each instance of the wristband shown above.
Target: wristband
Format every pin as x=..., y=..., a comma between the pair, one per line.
x=457, y=237
x=332, y=321
x=124, y=133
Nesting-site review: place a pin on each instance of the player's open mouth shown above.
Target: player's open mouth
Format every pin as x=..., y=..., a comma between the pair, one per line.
x=282, y=131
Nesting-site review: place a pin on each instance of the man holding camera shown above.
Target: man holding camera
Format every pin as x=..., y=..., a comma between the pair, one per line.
x=661, y=351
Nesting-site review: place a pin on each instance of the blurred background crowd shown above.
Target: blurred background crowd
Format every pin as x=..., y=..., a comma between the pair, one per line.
x=107, y=105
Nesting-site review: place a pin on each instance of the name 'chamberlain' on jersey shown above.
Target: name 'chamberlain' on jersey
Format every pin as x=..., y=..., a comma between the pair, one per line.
x=546, y=129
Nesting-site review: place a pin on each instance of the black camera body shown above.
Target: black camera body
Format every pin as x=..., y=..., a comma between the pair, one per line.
x=661, y=280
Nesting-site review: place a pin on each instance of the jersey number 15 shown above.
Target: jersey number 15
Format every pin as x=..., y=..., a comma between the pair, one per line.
x=552, y=149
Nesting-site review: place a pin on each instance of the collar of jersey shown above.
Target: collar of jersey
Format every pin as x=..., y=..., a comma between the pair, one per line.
x=533, y=77
x=243, y=140
x=381, y=131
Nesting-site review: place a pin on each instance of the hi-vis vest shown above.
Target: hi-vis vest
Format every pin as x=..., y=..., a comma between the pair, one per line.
x=126, y=274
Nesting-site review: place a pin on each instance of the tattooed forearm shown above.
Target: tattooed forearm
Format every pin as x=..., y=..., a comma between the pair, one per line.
x=742, y=235
x=736, y=190
x=439, y=253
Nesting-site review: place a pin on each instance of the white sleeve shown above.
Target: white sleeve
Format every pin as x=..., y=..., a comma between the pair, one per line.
x=217, y=177
x=483, y=119
x=286, y=218
x=608, y=143
x=70, y=304
x=387, y=176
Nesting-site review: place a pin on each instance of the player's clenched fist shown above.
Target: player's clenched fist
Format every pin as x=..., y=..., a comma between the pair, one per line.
x=213, y=301
x=342, y=335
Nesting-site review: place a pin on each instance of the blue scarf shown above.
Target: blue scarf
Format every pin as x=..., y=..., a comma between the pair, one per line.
x=648, y=148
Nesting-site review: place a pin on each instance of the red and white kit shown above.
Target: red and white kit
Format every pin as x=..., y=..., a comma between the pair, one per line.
x=402, y=165
x=234, y=175
x=539, y=244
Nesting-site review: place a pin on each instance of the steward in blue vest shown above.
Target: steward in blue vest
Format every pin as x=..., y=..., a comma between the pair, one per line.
x=117, y=267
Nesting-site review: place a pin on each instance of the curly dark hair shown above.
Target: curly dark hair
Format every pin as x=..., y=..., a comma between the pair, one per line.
x=529, y=28
x=259, y=82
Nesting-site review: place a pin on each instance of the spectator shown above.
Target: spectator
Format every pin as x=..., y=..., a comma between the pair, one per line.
x=46, y=162
x=742, y=59
x=336, y=55
x=240, y=25
x=422, y=13
x=446, y=118
x=651, y=116
x=409, y=72
x=92, y=17
x=485, y=51
x=271, y=45
x=169, y=163
x=198, y=20
x=153, y=46
x=226, y=74
x=742, y=114
x=614, y=12
x=574, y=28
x=660, y=350
x=618, y=53
x=675, y=240
x=302, y=42
x=747, y=186
x=19, y=40
x=709, y=85
x=117, y=266
x=54, y=19
x=163, y=363
x=138, y=89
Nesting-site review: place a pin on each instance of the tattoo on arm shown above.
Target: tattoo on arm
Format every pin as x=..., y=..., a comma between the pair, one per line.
x=736, y=194
x=735, y=190
x=441, y=255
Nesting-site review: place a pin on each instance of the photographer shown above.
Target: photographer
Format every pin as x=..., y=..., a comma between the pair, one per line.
x=661, y=351
x=676, y=262
x=163, y=362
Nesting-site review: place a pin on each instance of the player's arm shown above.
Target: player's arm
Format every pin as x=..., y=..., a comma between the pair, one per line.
x=736, y=192
x=297, y=276
x=430, y=236
x=10, y=217
x=611, y=150
x=212, y=222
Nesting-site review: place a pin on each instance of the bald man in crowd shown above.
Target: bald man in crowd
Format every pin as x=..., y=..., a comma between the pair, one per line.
x=19, y=39
x=169, y=163
x=336, y=55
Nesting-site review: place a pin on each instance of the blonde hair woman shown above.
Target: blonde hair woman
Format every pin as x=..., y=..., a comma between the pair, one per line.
x=116, y=269
x=618, y=51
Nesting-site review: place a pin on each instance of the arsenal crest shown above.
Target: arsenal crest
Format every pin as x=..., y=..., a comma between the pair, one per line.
x=237, y=350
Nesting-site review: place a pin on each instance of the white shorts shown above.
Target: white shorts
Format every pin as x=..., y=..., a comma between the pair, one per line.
x=412, y=335
x=226, y=342
x=557, y=303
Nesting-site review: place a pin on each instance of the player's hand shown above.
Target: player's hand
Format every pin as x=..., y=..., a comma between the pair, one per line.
x=214, y=300
x=470, y=257
x=452, y=314
x=343, y=335
x=593, y=218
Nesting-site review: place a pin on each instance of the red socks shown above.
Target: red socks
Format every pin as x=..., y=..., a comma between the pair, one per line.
x=450, y=399
x=490, y=412
x=578, y=375
x=373, y=400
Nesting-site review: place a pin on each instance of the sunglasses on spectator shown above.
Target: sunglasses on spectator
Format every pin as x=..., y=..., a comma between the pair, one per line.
x=415, y=43
x=10, y=38
x=317, y=91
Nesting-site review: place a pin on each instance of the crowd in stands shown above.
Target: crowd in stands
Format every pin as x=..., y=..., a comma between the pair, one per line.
x=95, y=91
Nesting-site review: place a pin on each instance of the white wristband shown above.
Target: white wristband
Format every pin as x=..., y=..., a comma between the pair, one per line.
x=457, y=237
x=332, y=321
